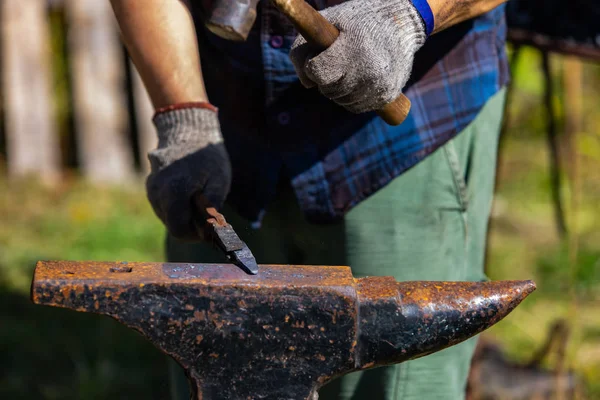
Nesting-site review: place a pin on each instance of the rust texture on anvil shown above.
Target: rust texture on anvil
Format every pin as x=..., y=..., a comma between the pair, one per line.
x=283, y=333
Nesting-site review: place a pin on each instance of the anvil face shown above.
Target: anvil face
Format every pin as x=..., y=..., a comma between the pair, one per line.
x=280, y=334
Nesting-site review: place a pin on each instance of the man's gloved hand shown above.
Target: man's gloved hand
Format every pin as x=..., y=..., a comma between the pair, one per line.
x=371, y=60
x=191, y=158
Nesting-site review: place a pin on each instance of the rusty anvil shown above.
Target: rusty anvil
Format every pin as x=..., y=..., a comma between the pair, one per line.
x=281, y=334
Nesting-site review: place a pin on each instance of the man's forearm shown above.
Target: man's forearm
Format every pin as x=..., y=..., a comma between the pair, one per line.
x=447, y=13
x=161, y=40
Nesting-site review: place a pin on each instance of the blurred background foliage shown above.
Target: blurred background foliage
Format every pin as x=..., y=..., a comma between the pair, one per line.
x=524, y=239
x=57, y=354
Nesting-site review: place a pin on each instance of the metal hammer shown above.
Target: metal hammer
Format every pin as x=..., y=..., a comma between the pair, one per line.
x=281, y=334
x=233, y=19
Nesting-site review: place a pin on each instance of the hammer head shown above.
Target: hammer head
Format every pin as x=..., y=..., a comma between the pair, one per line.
x=232, y=19
x=281, y=334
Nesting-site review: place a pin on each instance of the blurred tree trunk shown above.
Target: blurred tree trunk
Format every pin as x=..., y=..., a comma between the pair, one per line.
x=143, y=109
x=98, y=91
x=553, y=147
x=574, y=128
x=31, y=137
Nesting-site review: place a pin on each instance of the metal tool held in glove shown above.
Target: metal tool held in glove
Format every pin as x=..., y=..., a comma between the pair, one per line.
x=216, y=230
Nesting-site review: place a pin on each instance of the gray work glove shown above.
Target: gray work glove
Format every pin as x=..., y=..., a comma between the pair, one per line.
x=191, y=158
x=370, y=62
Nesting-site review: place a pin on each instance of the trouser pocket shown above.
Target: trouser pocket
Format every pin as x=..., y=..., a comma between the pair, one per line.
x=458, y=177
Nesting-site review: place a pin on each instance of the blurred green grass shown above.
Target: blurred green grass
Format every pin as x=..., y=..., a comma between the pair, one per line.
x=75, y=222
x=48, y=353
x=52, y=353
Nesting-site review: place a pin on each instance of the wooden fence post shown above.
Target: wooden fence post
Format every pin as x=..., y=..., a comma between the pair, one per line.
x=555, y=161
x=573, y=80
x=144, y=110
x=98, y=91
x=31, y=134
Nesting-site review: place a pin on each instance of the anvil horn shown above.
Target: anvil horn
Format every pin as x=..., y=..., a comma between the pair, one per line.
x=400, y=321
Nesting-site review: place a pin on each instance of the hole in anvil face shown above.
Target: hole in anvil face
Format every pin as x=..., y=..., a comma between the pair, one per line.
x=121, y=269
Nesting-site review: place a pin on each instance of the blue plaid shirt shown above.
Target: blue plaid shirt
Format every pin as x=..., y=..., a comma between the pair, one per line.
x=275, y=130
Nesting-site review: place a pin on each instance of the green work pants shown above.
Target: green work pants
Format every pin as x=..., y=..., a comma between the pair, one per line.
x=428, y=224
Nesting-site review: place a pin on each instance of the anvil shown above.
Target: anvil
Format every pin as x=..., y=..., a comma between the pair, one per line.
x=281, y=334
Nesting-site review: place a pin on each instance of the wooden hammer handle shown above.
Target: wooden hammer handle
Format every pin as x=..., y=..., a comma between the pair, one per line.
x=321, y=34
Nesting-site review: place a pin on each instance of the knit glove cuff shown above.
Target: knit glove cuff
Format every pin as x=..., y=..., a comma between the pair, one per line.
x=398, y=21
x=410, y=30
x=182, y=132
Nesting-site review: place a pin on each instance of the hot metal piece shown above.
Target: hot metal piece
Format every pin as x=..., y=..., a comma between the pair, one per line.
x=224, y=237
x=281, y=334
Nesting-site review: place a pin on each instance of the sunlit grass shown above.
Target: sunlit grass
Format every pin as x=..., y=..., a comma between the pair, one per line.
x=51, y=353
x=75, y=222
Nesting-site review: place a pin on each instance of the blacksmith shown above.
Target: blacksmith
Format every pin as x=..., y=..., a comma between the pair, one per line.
x=314, y=176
